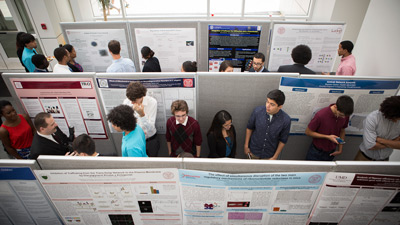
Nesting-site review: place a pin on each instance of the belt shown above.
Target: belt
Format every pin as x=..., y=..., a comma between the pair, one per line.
x=321, y=150
x=152, y=137
x=369, y=158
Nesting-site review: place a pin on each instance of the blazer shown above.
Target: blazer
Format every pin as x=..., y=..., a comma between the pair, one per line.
x=218, y=146
x=152, y=65
x=252, y=70
x=44, y=146
x=296, y=68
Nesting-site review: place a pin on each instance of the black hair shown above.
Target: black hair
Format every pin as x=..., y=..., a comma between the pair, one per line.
x=259, y=55
x=216, y=126
x=345, y=105
x=348, y=45
x=189, y=66
x=390, y=108
x=278, y=96
x=19, y=42
x=3, y=104
x=59, y=53
x=301, y=54
x=27, y=38
x=38, y=60
x=147, y=52
x=68, y=47
x=122, y=117
x=114, y=46
x=225, y=65
x=84, y=144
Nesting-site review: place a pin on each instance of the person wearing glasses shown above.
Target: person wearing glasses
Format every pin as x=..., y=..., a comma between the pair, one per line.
x=258, y=63
x=221, y=136
x=183, y=132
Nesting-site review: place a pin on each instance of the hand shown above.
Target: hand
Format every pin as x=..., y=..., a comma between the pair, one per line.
x=246, y=150
x=139, y=109
x=325, y=73
x=379, y=140
x=332, y=138
x=71, y=154
x=273, y=158
x=335, y=153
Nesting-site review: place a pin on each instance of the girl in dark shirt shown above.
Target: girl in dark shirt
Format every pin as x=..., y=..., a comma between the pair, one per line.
x=152, y=64
x=76, y=67
x=221, y=136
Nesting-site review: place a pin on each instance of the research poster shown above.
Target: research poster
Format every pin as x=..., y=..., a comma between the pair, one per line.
x=263, y=198
x=145, y=196
x=348, y=198
x=91, y=46
x=22, y=199
x=164, y=90
x=305, y=97
x=72, y=102
x=237, y=44
x=172, y=46
x=322, y=39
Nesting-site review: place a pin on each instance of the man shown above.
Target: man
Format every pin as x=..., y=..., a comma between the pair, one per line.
x=268, y=127
x=133, y=139
x=145, y=108
x=258, y=63
x=40, y=63
x=183, y=132
x=381, y=132
x=29, y=50
x=327, y=125
x=84, y=145
x=347, y=64
x=301, y=55
x=63, y=57
x=49, y=139
x=120, y=64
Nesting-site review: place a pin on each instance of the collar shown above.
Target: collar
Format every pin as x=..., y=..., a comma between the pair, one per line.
x=262, y=69
x=298, y=64
x=330, y=110
x=346, y=58
x=50, y=137
x=40, y=70
x=184, y=123
x=117, y=60
x=274, y=115
x=30, y=50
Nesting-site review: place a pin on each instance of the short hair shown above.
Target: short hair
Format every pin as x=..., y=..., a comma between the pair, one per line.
x=135, y=90
x=84, y=144
x=122, y=117
x=59, y=53
x=301, y=54
x=348, y=45
x=225, y=65
x=68, y=47
x=3, y=104
x=259, y=55
x=390, y=107
x=278, y=96
x=114, y=46
x=345, y=105
x=27, y=38
x=147, y=52
x=38, y=61
x=40, y=120
x=179, y=105
x=189, y=66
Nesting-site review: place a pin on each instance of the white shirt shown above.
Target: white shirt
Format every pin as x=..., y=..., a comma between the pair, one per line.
x=148, y=122
x=184, y=123
x=50, y=137
x=58, y=68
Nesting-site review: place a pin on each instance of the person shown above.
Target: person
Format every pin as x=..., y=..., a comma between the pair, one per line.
x=30, y=46
x=83, y=145
x=381, y=132
x=226, y=66
x=189, y=66
x=63, y=57
x=347, y=64
x=49, y=139
x=16, y=133
x=221, y=136
x=120, y=64
x=301, y=55
x=145, y=110
x=268, y=128
x=152, y=64
x=20, y=49
x=41, y=63
x=258, y=63
x=183, y=131
x=133, y=139
x=326, y=126
x=74, y=66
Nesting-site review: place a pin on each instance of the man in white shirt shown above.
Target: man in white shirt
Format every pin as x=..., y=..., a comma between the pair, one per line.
x=63, y=57
x=120, y=64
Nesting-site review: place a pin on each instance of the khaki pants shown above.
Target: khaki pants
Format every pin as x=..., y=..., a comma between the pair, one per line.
x=256, y=157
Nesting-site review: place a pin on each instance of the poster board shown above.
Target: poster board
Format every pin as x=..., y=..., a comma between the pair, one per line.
x=322, y=38
x=31, y=163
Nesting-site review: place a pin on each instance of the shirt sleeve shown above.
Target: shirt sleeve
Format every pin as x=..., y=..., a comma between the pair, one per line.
x=29, y=65
x=168, y=132
x=212, y=145
x=251, y=124
x=369, y=134
x=149, y=120
x=315, y=122
x=347, y=70
x=197, y=139
x=284, y=135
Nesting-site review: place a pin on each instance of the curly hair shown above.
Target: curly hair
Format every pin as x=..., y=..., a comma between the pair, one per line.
x=84, y=144
x=135, y=90
x=122, y=117
x=301, y=54
x=179, y=105
x=390, y=108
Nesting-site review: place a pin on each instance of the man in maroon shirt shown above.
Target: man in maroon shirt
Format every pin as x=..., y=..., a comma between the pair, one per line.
x=183, y=132
x=327, y=125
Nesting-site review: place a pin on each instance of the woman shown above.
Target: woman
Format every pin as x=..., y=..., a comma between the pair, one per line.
x=20, y=48
x=16, y=132
x=152, y=64
x=75, y=67
x=226, y=66
x=189, y=66
x=221, y=136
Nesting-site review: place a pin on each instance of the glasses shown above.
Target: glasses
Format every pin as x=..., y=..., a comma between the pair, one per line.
x=182, y=116
x=257, y=64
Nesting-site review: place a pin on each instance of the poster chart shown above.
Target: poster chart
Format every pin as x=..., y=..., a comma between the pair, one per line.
x=23, y=200
x=146, y=196
x=348, y=198
x=263, y=198
x=71, y=101
x=237, y=44
x=305, y=97
x=164, y=90
x=91, y=46
x=322, y=39
x=172, y=46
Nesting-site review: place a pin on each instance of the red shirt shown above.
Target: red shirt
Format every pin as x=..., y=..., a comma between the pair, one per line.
x=20, y=136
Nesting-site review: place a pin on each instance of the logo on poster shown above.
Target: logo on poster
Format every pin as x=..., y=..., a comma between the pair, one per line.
x=168, y=175
x=86, y=84
x=188, y=82
x=338, y=30
x=281, y=30
x=314, y=179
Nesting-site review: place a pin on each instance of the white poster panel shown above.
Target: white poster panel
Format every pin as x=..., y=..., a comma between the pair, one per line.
x=91, y=46
x=172, y=46
x=322, y=39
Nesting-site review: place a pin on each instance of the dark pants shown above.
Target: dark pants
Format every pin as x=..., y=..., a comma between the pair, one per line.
x=152, y=146
x=317, y=154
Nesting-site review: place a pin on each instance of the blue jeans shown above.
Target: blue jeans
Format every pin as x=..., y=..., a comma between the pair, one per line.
x=318, y=155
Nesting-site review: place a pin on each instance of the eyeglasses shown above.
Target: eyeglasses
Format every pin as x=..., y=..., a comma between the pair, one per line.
x=257, y=64
x=182, y=116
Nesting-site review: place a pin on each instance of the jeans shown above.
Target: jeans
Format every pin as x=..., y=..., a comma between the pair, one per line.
x=318, y=155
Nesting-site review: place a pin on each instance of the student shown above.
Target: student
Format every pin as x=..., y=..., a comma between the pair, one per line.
x=258, y=63
x=152, y=64
x=327, y=125
x=189, y=66
x=221, y=136
x=41, y=63
x=75, y=67
x=268, y=128
x=133, y=139
x=84, y=145
x=20, y=49
x=301, y=55
x=347, y=64
x=63, y=57
x=119, y=64
x=183, y=132
x=226, y=66
x=29, y=42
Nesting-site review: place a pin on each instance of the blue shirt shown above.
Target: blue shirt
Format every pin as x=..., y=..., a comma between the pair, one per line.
x=121, y=65
x=134, y=144
x=27, y=58
x=229, y=146
x=267, y=134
